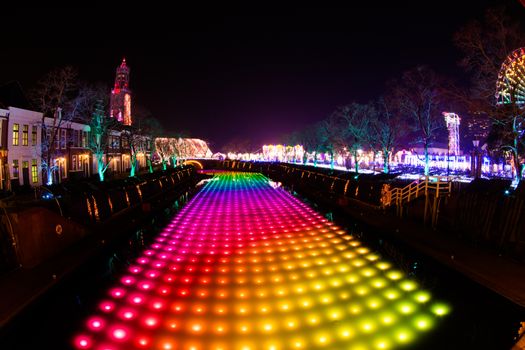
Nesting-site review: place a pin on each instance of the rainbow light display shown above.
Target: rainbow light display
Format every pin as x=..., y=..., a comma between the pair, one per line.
x=247, y=266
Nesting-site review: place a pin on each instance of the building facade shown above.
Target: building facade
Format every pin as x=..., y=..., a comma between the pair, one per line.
x=23, y=144
x=4, y=165
x=70, y=154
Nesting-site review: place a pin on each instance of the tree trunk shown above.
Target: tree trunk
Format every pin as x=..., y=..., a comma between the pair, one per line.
x=427, y=160
x=49, y=175
x=356, y=163
x=49, y=169
x=101, y=168
x=315, y=159
x=133, y=166
x=332, y=159
x=516, y=161
x=386, y=161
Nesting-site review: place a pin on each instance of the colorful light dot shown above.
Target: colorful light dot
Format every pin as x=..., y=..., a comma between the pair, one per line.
x=246, y=266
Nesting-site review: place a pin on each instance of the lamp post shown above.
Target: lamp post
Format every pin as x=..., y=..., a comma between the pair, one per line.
x=475, y=160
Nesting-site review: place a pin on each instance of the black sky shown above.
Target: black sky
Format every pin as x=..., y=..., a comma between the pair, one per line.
x=249, y=71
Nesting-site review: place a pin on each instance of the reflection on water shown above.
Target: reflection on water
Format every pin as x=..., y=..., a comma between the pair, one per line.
x=248, y=266
x=307, y=292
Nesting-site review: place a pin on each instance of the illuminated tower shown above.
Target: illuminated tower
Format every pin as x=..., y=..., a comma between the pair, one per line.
x=452, y=120
x=121, y=95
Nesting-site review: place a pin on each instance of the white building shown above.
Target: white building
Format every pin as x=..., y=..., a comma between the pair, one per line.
x=24, y=140
x=4, y=166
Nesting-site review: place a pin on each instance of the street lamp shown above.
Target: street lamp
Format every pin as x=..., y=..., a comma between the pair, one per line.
x=475, y=166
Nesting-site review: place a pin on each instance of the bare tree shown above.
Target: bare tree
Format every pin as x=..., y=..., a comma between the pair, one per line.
x=179, y=149
x=101, y=126
x=62, y=99
x=164, y=148
x=356, y=120
x=329, y=134
x=135, y=142
x=418, y=96
x=308, y=137
x=149, y=128
x=53, y=97
x=140, y=138
x=486, y=45
x=385, y=129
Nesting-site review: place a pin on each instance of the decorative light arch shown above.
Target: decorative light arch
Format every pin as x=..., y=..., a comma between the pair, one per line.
x=195, y=163
x=510, y=87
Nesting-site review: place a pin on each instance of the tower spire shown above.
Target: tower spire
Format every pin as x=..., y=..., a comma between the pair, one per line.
x=121, y=95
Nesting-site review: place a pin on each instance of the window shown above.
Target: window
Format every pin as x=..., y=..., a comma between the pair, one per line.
x=75, y=138
x=63, y=139
x=84, y=139
x=25, y=135
x=63, y=168
x=57, y=138
x=114, y=142
x=16, y=129
x=34, y=135
x=34, y=171
x=15, y=169
x=74, y=162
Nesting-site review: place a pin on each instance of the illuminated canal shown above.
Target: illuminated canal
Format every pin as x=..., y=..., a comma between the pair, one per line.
x=245, y=265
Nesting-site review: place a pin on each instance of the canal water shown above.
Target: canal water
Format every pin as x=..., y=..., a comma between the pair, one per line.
x=247, y=265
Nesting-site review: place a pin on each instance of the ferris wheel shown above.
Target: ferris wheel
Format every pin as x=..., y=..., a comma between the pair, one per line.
x=510, y=87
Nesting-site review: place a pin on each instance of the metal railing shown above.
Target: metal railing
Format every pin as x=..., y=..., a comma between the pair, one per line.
x=432, y=187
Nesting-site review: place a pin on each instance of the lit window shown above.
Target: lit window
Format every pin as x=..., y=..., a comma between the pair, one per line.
x=34, y=135
x=25, y=135
x=16, y=130
x=34, y=171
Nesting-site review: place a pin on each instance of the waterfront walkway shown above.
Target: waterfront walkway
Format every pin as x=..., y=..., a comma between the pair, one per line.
x=247, y=266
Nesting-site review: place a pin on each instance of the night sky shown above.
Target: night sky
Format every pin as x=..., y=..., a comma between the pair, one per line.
x=250, y=71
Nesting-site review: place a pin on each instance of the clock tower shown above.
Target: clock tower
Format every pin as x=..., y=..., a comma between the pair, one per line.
x=121, y=95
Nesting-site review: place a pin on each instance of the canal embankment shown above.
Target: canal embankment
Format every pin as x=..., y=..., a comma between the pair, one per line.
x=46, y=239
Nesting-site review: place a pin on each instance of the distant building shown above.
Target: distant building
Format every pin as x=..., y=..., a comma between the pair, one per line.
x=452, y=121
x=120, y=105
